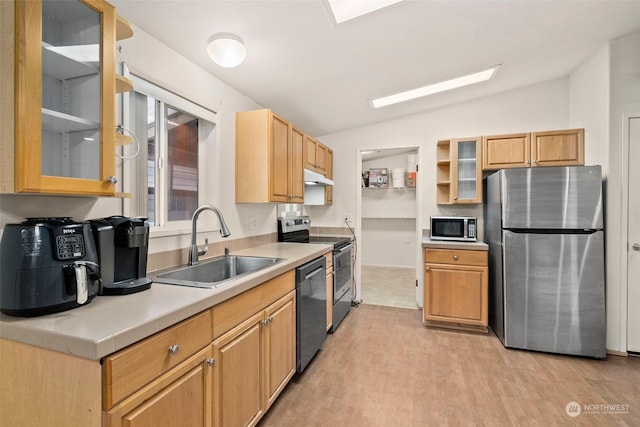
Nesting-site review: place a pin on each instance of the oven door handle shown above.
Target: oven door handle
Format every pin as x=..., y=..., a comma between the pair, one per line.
x=349, y=246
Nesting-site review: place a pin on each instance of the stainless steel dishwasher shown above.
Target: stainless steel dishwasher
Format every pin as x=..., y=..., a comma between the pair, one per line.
x=311, y=310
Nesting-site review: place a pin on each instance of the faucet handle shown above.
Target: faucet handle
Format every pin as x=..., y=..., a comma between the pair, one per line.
x=205, y=249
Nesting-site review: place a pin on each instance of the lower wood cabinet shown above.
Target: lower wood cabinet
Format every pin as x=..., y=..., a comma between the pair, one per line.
x=181, y=396
x=224, y=366
x=329, y=264
x=456, y=289
x=253, y=363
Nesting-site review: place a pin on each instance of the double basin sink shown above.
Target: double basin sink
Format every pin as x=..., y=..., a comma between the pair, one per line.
x=217, y=271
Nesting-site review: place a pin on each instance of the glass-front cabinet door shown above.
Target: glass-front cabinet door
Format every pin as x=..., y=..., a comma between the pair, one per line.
x=65, y=111
x=466, y=170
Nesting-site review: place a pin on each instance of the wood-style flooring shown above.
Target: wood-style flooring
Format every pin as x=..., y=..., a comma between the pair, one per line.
x=382, y=367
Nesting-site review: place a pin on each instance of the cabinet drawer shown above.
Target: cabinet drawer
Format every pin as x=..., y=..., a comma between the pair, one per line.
x=236, y=310
x=455, y=256
x=131, y=368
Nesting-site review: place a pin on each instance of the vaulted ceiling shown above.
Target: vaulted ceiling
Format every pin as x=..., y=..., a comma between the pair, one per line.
x=321, y=76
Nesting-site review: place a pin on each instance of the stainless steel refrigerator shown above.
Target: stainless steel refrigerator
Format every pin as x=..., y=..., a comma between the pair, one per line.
x=544, y=227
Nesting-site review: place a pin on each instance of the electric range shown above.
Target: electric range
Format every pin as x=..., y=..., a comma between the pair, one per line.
x=297, y=230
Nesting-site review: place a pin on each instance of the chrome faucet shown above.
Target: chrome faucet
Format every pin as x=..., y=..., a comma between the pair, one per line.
x=194, y=252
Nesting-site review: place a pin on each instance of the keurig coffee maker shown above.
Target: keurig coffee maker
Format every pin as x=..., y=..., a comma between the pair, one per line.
x=122, y=245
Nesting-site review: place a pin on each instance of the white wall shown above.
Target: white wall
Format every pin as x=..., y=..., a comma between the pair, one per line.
x=539, y=107
x=589, y=106
x=624, y=99
x=602, y=90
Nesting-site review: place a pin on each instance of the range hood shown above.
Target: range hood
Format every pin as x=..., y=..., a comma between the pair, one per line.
x=314, y=178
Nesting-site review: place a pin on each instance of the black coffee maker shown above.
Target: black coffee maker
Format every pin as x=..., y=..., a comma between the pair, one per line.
x=122, y=245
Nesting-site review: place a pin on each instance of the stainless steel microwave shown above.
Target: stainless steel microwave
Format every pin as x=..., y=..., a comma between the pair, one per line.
x=456, y=228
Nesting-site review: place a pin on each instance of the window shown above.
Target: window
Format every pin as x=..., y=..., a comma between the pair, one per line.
x=175, y=136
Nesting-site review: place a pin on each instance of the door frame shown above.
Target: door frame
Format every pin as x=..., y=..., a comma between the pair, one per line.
x=624, y=229
x=358, y=219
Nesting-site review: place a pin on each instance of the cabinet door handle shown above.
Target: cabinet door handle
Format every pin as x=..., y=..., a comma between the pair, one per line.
x=427, y=269
x=636, y=247
x=112, y=180
x=455, y=257
x=211, y=361
x=174, y=349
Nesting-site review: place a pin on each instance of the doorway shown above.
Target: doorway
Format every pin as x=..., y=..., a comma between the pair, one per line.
x=633, y=238
x=388, y=224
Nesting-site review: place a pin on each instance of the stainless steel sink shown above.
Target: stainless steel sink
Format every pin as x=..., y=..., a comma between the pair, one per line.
x=217, y=271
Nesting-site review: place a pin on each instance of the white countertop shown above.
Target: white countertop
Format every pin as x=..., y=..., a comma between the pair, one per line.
x=110, y=323
x=447, y=244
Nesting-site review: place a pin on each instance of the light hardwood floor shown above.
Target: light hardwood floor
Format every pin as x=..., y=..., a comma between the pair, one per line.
x=383, y=368
x=389, y=286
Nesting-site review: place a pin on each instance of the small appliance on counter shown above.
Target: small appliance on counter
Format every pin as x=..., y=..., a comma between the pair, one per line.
x=453, y=228
x=48, y=265
x=122, y=244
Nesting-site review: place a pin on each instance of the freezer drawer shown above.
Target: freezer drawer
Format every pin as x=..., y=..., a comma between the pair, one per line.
x=552, y=198
x=554, y=292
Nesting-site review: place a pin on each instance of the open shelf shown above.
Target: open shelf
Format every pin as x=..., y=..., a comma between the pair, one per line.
x=124, y=139
x=124, y=29
x=123, y=84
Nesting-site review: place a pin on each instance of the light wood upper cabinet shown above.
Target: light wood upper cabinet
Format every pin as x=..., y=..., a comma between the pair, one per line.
x=328, y=190
x=506, y=151
x=551, y=148
x=268, y=159
x=63, y=114
x=459, y=175
x=456, y=289
x=558, y=148
x=296, y=167
x=315, y=155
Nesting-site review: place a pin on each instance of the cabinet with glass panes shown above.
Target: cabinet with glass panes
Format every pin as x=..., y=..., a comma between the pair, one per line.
x=459, y=173
x=63, y=109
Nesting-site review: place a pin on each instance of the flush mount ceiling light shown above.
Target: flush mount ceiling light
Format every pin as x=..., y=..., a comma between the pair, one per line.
x=435, y=88
x=344, y=10
x=227, y=50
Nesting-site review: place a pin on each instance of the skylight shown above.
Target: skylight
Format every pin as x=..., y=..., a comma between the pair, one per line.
x=344, y=10
x=435, y=88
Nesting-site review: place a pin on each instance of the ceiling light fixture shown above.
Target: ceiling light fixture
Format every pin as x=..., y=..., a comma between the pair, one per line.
x=227, y=50
x=435, y=88
x=344, y=10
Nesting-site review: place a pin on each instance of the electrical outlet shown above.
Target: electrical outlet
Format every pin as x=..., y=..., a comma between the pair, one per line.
x=348, y=217
x=253, y=223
